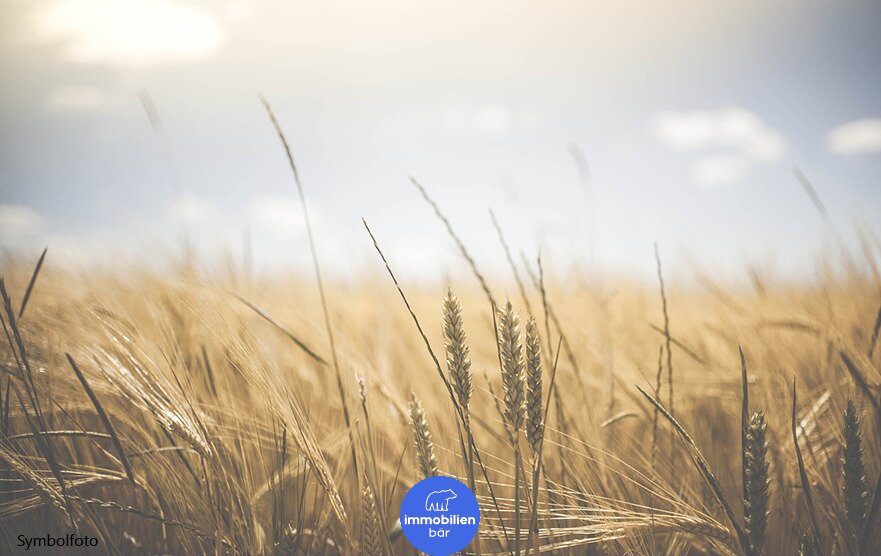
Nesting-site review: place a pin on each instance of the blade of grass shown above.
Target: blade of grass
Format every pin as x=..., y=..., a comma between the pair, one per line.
x=704, y=468
x=744, y=420
x=20, y=353
x=802, y=472
x=685, y=349
x=514, y=270
x=209, y=372
x=317, y=268
x=861, y=382
x=538, y=283
x=33, y=280
x=283, y=329
x=48, y=454
x=458, y=241
x=667, y=338
x=104, y=419
x=874, y=340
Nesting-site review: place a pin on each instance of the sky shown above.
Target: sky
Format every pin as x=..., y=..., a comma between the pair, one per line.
x=593, y=130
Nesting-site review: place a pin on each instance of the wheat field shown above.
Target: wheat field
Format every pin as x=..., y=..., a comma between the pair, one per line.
x=181, y=412
x=285, y=277
x=189, y=412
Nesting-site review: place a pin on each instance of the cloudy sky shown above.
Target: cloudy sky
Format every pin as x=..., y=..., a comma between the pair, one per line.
x=592, y=130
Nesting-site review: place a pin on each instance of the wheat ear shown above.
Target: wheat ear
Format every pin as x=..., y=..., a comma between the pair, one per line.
x=461, y=376
x=458, y=356
x=513, y=380
x=371, y=540
x=424, y=447
x=534, y=420
x=807, y=546
x=755, y=504
x=856, y=494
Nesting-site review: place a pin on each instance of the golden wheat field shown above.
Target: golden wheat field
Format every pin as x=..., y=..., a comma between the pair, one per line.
x=186, y=413
x=397, y=277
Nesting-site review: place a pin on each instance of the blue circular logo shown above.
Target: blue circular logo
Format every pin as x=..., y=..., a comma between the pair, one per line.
x=440, y=516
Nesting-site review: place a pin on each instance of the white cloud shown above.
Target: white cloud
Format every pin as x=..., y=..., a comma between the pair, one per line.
x=282, y=216
x=857, y=137
x=737, y=129
x=723, y=169
x=742, y=137
x=18, y=221
x=192, y=210
x=129, y=32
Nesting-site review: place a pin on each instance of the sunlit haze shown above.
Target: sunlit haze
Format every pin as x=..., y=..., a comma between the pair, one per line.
x=591, y=129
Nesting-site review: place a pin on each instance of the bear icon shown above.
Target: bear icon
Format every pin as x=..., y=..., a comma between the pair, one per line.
x=439, y=500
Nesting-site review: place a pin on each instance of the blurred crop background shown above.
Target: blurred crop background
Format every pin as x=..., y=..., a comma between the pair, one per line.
x=684, y=196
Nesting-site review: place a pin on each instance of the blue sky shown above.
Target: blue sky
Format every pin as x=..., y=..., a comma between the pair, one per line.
x=691, y=117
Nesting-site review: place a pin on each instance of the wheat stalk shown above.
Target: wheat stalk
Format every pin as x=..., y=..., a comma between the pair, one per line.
x=449, y=227
x=668, y=340
x=316, y=267
x=815, y=540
